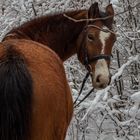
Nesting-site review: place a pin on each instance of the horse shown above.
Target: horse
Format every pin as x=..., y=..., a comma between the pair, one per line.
x=91, y=39
x=36, y=101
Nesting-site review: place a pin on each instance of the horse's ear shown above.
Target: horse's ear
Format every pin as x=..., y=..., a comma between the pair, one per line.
x=110, y=12
x=93, y=11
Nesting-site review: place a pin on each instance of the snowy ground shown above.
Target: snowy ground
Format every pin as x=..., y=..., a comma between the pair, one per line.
x=109, y=114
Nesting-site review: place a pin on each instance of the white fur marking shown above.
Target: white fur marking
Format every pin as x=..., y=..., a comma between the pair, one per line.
x=101, y=68
x=103, y=37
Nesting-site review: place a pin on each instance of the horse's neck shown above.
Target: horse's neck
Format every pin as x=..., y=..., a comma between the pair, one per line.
x=57, y=32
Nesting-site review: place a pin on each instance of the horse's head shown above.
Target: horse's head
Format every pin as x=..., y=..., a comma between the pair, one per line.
x=95, y=44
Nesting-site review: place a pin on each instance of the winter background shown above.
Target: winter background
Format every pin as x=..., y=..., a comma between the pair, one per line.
x=114, y=112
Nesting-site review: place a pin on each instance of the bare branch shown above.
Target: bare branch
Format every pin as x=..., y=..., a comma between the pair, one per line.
x=104, y=18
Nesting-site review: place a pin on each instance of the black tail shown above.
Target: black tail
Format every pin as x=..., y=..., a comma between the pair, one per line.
x=15, y=96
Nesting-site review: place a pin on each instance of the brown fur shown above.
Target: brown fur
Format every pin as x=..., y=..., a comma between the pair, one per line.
x=57, y=32
x=52, y=105
x=52, y=101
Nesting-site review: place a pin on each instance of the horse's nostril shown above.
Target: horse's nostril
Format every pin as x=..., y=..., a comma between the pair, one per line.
x=102, y=86
x=98, y=79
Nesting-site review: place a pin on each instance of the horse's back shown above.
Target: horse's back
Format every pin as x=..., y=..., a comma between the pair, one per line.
x=52, y=101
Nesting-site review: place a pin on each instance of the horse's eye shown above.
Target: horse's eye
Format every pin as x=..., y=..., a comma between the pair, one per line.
x=90, y=37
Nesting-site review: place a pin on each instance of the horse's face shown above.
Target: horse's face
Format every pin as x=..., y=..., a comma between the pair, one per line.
x=95, y=46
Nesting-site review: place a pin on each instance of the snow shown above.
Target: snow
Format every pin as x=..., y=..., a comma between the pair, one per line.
x=136, y=97
x=111, y=113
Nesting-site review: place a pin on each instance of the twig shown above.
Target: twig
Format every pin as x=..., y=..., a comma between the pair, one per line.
x=100, y=93
x=104, y=18
x=34, y=10
x=80, y=20
x=3, y=10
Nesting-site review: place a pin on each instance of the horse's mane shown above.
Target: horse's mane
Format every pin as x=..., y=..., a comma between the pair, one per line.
x=52, y=20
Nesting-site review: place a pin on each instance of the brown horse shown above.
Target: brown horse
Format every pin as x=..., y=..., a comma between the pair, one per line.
x=35, y=100
x=92, y=40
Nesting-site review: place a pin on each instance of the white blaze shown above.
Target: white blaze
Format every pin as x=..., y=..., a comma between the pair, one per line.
x=103, y=37
x=101, y=68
